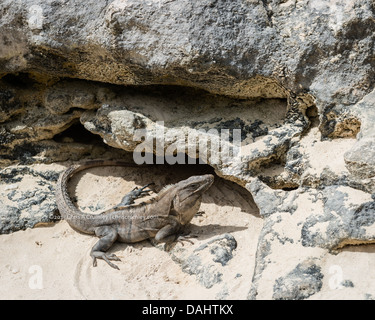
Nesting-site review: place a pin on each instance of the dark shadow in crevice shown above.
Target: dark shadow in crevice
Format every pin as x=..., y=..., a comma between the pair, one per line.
x=289, y=188
x=19, y=80
x=312, y=113
x=77, y=133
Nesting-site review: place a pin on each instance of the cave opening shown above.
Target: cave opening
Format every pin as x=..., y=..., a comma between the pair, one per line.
x=77, y=133
x=312, y=113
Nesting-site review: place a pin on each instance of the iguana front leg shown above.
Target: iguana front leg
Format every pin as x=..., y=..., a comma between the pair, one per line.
x=108, y=236
x=168, y=233
x=172, y=233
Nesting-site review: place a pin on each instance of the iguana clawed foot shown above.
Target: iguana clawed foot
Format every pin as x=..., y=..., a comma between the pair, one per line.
x=136, y=193
x=186, y=238
x=200, y=214
x=179, y=239
x=106, y=257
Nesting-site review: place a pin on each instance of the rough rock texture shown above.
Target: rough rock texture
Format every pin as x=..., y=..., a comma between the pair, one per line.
x=82, y=79
x=257, y=49
x=27, y=197
x=305, y=225
x=207, y=261
x=300, y=283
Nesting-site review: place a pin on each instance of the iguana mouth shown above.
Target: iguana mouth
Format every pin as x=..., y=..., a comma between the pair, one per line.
x=209, y=179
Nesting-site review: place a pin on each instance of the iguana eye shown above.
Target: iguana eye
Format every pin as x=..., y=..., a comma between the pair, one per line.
x=194, y=185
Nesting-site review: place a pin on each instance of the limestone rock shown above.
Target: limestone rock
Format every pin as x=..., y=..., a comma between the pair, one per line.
x=63, y=96
x=301, y=283
x=207, y=261
x=187, y=120
x=307, y=224
x=27, y=198
x=360, y=160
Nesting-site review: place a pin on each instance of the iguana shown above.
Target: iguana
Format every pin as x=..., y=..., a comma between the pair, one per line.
x=163, y=217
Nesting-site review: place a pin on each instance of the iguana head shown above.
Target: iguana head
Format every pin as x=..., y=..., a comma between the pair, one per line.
x=188, y=196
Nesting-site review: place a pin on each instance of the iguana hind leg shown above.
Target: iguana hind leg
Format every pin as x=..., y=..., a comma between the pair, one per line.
x=108, y=236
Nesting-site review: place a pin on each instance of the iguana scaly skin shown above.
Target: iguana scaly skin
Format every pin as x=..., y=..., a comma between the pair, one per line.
x=163, y=217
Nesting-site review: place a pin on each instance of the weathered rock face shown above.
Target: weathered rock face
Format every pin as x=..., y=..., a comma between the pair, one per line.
x=207, y=261
x=82, y=80
x=302, y=226
x=27, y=198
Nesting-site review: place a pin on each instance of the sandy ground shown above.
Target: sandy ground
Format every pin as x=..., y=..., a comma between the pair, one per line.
x=350, y=274
x=53, y=262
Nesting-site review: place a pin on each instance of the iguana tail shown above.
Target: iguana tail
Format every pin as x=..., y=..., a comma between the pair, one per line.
x=76, y=218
